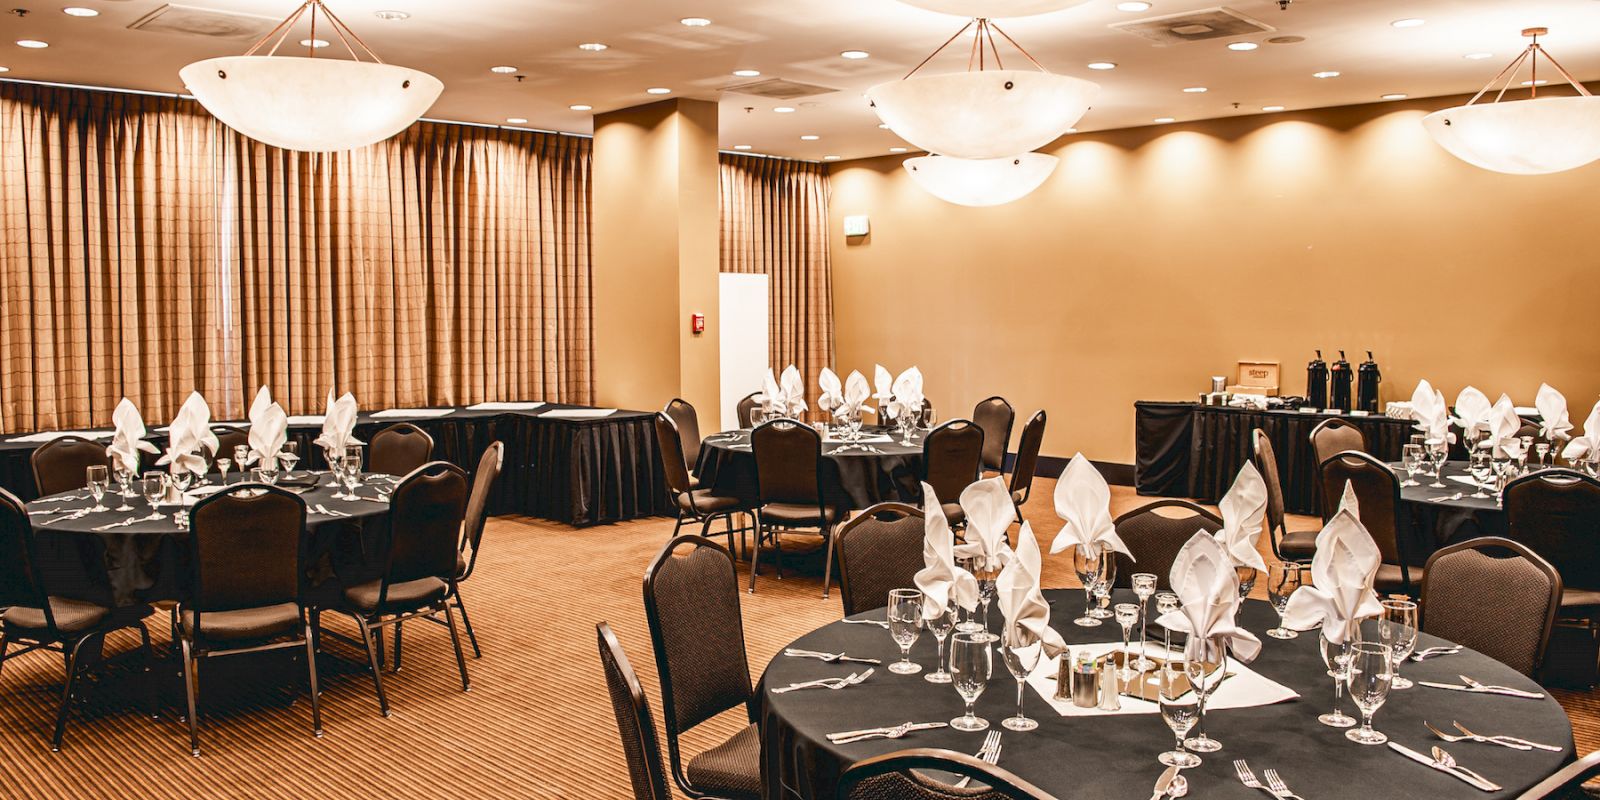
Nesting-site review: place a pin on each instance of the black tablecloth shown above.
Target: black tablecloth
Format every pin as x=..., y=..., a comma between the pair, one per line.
x=1441, y=518
x=577, y=471
x=1190, y=450
x=1115, y=756
x=852, y=478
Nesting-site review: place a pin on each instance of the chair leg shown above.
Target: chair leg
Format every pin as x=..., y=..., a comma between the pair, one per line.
x=455, y=639
x=149, y=680
x=727, y=524
x=311, y=666
x=827, y=561
x=191, y=687
x=679, y=526
x=399, y=632
x=377, y=667
x=777, y=543
x=466, y=622
x=4, y=643
x=755, y=555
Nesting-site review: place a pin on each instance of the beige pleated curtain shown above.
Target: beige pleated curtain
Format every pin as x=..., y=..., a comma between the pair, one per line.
x=775, y=222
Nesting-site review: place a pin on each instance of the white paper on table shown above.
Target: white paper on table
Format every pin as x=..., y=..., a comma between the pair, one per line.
x=302, y=420
x=863, y=440
x=1526, y=411
x=579, y=413
x=502, y=406
x=50, y=436
x=1247, y=688
x=1467, y=480
x=412, y=412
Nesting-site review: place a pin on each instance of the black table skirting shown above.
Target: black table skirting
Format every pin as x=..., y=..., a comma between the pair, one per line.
x=850, y=480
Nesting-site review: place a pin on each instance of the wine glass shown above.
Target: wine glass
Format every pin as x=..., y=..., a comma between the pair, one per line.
x=181, y=480
x=1020, y=659
x=1102, y=586
x=99, y=479
x=1086, y=562
x=853, y=420
x=1180, y=709
x=1126, y=614
x=152, y=486
x=1203, y=743
x=1543, y=449
x=1411, y=459
x=1397, y=628
x=241, y=456
x=1144, y=587
x=986, y=587
x=1440, y=450
x=940, y=628
x=905, y=622
x=1337, y=657
x=124, y=478
x=968, y=622
x=1282, y=579
x=288, y=457
x=970, y=664
x=223, y=465
x=352, y=461
x=1247, y=581
x=267, y=471
x=1371, y=669
x=1166, y=603
x=1481, y=465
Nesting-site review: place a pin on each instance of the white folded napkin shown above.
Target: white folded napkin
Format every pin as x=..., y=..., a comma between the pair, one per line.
x=1084, y=500
x=128, y=441
x=1504, y=425
x=772, y=397
x=884, y=383
x=941, y=581
x=268, y=433
x=831, y=391
x=1472, y=410
x=1588, y=444
x=259, y=405
x=794, y=391
x=338, y=423
x=1022, y=602
x=987, y=504
x=1552, y=407
x=1342, y=572
x=1206, y=584
x=856, y=393
x=908, y=392
x=1433, y=417
x=1244, y=510
x=189, y=432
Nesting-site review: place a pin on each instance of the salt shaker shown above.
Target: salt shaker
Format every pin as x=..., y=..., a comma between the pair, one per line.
x=1110, y=693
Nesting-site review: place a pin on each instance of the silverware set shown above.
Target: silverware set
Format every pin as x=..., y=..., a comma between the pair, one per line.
x=1504, y=741
x=79, y=514
x=328, y=512
x=1274, y=785
x=1446, y=763
x=892, y=732
x=1480, y=688
x=130, y=521
x=878, y=622
x=826, y=683
x=1435, y=652
x=1170, y=785
x=989, y=753
x=1447, y=498
x=828, y=657
x=865, y=448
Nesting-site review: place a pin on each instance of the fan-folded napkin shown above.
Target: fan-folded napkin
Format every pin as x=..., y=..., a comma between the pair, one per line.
x=1342, y=573
x=1552, y=407
x=990, y=512
x=128, y=441
x=1433, y=417
x=1083, y=500
x=1587, y=445
x=338, y=424
x=1204, y=580
x=1244, y=508
x=908, y=392
x=268, y=433
x=1504, y=425
x=831, y=391
x=941, y=581
x=1022, y=603
x=188, y=434
x=856, y=393
x=1472, y=411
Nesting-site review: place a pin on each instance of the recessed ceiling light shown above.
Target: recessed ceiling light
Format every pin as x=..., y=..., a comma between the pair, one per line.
x=695, y=22
x=1272, y=108
x=33, y=44
x=1243, y=47
x=391, y=16
x=1411, y=22
x=1539, y=82
x=1133, y=6
x=1195, y=90
x=1478, y=56
x=581, y=107
x=747, y=73
x=516, y=120
x=855, y=55
x=315, y=43
x=897, y=149
x=830, y=158
x=783, y=110
x=883, y=125
x=593, y=47
x=810, y=137
x=1286, y=40
x=1327, y=73
x=1102, y=65
x=658, y=90
x=1394, y=96
x=79, y=11
x=741, y=147
x=503, y=70
x=1165, y=120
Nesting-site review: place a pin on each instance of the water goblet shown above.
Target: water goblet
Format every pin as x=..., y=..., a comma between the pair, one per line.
x=940, y=627
x=241, y=456
x=1144, y=587
x=1166, y=603
x=1282, y=579
x=152, y=486
x=1102, y=586
x=1020, y=658
x=1527, y=448
x=1203, y=743
x=970, y=665
x=181, y=480
x=223, y=465
x=1481, y=467
x=124, y=478
x=986, y=587
x=1180, y=709
x=1397, y=628
x=1126, y=614
x=351, y=463
x=1371, y=669
x=968, y=623
x=287, y=459
x=1086, y=562
x=1411, y=459
x=1247, y=581
x=1543, y=450
x=267, y=471
x=1438, y=452
x=905, y=622
x=1337, y=657
x=99, y=479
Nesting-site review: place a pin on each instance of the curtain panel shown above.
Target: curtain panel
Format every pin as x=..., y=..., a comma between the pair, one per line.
x=775, y=222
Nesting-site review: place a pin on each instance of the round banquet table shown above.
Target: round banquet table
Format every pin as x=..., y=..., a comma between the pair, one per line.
x=853, y=476
x=1115, y=756
x=148, y=559
x=1439, y=518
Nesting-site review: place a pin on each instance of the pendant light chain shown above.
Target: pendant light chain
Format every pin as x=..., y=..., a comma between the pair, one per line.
x=345, y=34
x=983, y=47
x=1530, y=55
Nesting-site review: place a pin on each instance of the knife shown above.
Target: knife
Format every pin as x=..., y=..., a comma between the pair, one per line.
x=1500, y=691
x=1422, y=759
x=1164, y=783
x=840, y=738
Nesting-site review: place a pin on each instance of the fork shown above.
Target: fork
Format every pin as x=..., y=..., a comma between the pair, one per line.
x=1248, y=778
x=989, y=753
x=887, y=733
x=79, y=514
x=1434, y=652
x=1467, y=736
x=827, y=683
x=830, y=658
x=1502, y=689
x=1501, y=739
x=1277, y=785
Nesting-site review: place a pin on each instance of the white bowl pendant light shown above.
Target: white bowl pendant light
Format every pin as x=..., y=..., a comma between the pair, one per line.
x=1536, y=136
x=982, y=113
x=309, y=103
x=983, y=182
x=994, y=9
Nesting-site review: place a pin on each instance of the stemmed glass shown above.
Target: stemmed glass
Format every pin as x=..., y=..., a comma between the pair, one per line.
x=223, y=465
x=1543, y=449
x=1397, y=628
x=1247, y=581
x=1522, y=457
x=968, y=620
x=152, y=486
x=1088, y=561
x=1203, y=743
x=241, y=456
x=99, y=479
x=905, y=622
x=1439, y=452
x=1337, y=657
x=1282, y=579
x=986, y=588
x=1166, y=603
x=1180, y=709
x=1102, y=587
x=971, y=663
x=1411, y=459
x=1020, y=660
x=1371, y=671
x=125, y=481
x=181, y=479
x=288, y=457
x=1144, y=587
x=352, y=463
x=1481, y=465
x=940, y=628
x=1126, y=614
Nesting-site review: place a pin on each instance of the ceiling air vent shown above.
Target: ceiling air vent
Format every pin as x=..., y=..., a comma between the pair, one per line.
x=191, y=21
x=1194, y=26
x=779, y=89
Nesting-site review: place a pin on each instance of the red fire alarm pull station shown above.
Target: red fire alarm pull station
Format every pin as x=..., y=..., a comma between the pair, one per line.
x=697, y=324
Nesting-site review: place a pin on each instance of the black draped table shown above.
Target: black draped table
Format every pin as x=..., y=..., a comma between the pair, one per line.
x=1190, y=450
x=1115, y=756
x=581, y=471
x=1445, y=516
x=854, y=475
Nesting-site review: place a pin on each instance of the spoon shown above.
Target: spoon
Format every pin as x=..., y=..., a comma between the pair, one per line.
x=1449, y=762
x=1179, y=787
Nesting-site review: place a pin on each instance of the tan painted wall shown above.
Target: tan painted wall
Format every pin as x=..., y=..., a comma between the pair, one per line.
x=1157, y=257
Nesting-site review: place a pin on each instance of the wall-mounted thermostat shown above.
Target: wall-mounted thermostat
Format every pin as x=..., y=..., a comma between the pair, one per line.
x=857, y=226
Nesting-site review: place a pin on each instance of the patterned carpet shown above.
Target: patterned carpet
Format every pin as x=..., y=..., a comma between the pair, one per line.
x=536, y=724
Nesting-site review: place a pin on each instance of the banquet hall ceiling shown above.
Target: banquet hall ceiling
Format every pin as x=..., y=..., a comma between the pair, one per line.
x=800, y=41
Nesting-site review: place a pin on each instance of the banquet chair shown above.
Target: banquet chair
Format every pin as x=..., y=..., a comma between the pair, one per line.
x=60, y=465
x=700, y=506
x=995, y=416
x=691, y=601
x=789, y=480
x=399, y=449
x=1027, y=461
x=1495, y=596
x=687, y=423
x=1556, y=513
x=880, y=550
x=900, y=776
x=38, y=620
x=228, y=437
x=1381, y=512
x=1567, y=783
x=1287, y=545
x=635, y=724
x=1334, y=435
x=746, y=409
x=419, y=562
x=952, y=458
x=243, y=591
x=1154, y=534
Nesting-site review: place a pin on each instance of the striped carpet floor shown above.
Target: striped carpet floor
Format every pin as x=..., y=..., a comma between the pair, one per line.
x=536, y=724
